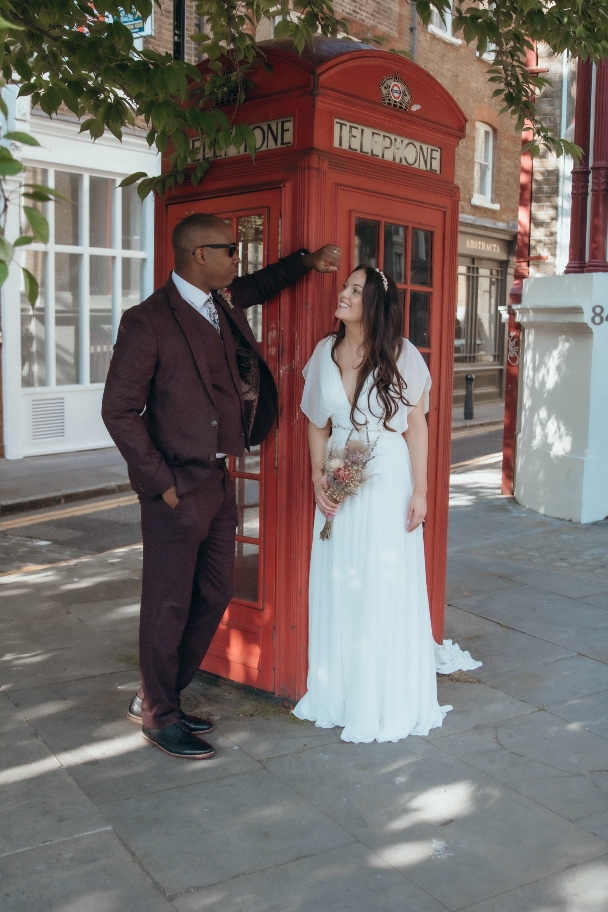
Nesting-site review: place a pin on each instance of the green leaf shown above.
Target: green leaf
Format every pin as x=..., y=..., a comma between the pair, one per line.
x=127, y=181
x=38, y=224
x=6, y=250
x=23, y=240
x=10, y=166
x=5, y=24
x=3, y=273
x=25, y=138
x=32, y=288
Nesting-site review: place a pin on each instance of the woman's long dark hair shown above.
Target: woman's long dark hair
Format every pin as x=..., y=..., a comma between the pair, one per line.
x=382, y=343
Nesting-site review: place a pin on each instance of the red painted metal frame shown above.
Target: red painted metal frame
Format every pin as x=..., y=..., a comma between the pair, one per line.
x=318, y=185
x=598, y=228
x=522, y=271
x=580, y=171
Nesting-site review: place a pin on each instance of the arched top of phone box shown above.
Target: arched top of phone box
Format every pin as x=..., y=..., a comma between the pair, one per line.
x=340, y=69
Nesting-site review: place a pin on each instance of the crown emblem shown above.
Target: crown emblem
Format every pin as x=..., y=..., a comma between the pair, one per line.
x=395, y=93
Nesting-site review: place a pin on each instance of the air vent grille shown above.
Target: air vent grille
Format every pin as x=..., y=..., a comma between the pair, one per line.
x=48, y=418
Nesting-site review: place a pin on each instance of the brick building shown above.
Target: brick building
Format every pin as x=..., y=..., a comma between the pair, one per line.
x=99, y=257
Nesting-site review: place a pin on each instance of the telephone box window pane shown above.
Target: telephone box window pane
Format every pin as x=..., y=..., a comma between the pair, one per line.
x=463, y=294
x=366, y=242
x=33, y=325
x=248, y=507
x=419, y=318
x=67, y=317
x=250, y=237
x=421, y=257
x=131, y=219
x=101, y=283
x=67, y=212
x=33, y=176
x=394, y=252
x=131, y=282
x=246, y=569
x=249, y=462
x=487, y=314
x=101, y=200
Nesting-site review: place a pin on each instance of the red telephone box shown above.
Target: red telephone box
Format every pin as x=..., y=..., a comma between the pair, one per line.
x=355, y=146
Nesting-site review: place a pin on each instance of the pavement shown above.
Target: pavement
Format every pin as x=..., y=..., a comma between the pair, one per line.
x=503, y=809
x=44, y=481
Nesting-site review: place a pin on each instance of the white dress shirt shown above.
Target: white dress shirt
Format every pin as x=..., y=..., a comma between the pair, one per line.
x=197, y=298
x=193, y=295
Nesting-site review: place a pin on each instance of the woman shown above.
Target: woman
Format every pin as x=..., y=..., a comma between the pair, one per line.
x=371, y=657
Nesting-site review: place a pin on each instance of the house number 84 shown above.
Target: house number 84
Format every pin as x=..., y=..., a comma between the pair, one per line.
x=598, y=315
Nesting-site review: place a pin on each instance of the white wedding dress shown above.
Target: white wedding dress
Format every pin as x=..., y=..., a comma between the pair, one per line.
x=371, y=650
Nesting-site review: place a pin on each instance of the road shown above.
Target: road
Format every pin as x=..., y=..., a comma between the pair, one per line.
x=67, y=532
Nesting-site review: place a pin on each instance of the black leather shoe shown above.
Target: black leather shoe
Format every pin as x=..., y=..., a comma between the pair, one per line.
x=176, y=742
x=191, y=724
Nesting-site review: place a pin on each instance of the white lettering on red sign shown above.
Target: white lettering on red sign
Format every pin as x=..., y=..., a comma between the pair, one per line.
x=273, y=134
x=386, y=146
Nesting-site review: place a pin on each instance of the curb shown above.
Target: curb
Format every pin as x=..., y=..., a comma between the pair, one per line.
x=38, y=501
x=476, y=425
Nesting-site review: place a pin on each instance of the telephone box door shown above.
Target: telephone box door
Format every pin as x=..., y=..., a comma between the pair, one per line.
x=407, y=241
x=242, y=649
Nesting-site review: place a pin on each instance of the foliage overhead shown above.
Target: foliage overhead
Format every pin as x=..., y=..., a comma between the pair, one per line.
x=77, y=54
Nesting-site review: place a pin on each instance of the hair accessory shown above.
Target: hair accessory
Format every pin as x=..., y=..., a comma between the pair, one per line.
x=384, y=279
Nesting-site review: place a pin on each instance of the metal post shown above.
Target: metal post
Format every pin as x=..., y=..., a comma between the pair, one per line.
x=468, y=398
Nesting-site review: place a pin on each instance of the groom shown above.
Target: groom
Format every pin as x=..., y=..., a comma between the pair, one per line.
x=186, y=387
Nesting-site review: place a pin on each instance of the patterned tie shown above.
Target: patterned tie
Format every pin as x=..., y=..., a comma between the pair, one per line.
x=212, y=313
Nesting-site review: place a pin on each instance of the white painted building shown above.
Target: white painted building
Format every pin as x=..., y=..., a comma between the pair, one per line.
x=98, y=262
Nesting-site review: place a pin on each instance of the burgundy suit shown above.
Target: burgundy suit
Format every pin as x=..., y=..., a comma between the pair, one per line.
x=176, y=394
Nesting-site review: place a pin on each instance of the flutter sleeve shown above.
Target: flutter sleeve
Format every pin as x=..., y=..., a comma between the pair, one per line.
x=414, y=371
x=313, y=403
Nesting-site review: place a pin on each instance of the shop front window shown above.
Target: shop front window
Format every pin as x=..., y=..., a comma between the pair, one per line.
x=94, y=267
x=478, y=326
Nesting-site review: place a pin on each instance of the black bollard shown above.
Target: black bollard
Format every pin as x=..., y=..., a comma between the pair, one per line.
x=468, y=398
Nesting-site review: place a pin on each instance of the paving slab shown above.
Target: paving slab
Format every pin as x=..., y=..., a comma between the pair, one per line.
x=34, y=667
x=343, y=880
x=574, y=624
x=470, y=581
x=596, y=824
x=565, y=547
x=564, y=745
x=265, y=738
x=580, y=889
x=474, y=704
x=39, y=798
x=589, y=712
x=452, y=830
x=554, y=681
x=89, y=873
x=209, y=832
x=108, y=614
x=84, y=723
x=600, y=600
x=506, y=651
x=21, y=637
x=568, y=584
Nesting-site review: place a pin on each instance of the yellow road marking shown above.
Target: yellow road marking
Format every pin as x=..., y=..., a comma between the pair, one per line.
x=84, y=508
x=480, y=460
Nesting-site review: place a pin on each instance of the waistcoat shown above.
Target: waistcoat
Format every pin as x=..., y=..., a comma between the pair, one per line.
x=220, y=353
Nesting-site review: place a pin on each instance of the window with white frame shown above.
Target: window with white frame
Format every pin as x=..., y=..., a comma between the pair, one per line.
x=442, y=25
x=484, y=149
x=94, y=267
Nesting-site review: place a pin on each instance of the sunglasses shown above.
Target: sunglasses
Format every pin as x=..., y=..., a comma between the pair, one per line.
x=231, y=248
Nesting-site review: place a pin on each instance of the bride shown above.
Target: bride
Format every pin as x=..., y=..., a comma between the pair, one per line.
x=371, y=652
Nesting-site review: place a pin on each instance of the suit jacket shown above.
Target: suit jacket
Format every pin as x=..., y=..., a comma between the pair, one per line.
x=158, y=403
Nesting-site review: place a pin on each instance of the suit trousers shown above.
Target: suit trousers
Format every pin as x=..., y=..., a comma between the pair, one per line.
x=188, y=580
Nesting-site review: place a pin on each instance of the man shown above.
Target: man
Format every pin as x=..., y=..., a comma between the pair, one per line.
x=188, y=385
